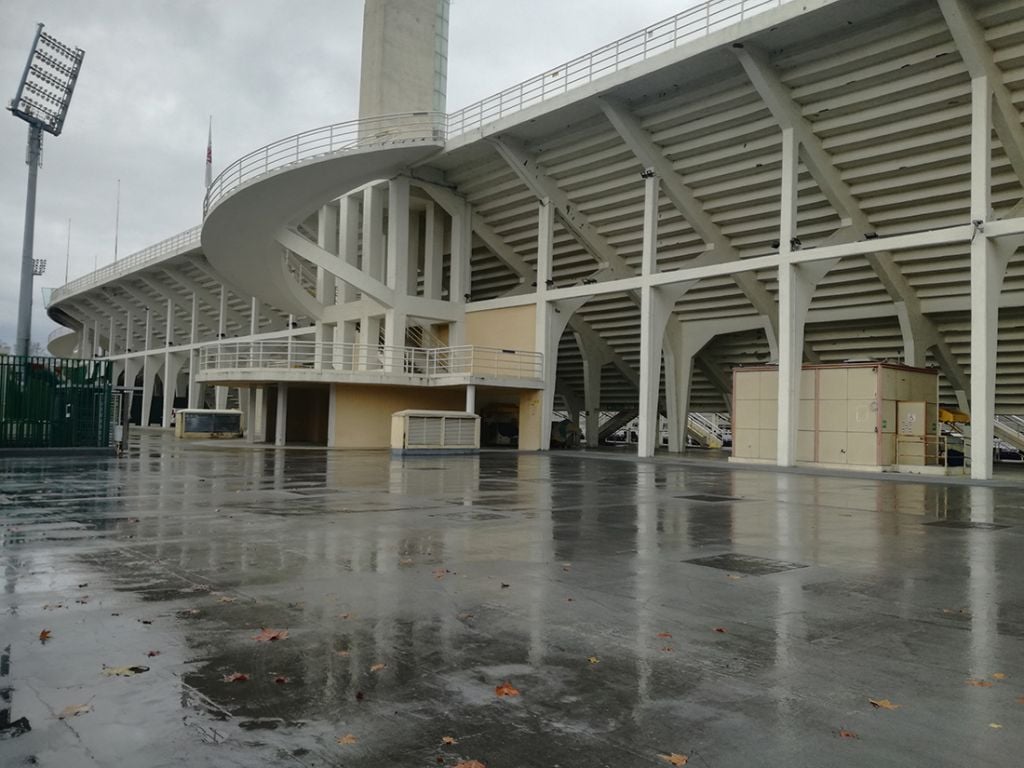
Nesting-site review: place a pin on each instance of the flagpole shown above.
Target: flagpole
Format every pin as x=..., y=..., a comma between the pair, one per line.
x=117, y=218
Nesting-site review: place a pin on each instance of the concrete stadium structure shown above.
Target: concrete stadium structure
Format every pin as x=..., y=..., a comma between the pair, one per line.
x=749, y=181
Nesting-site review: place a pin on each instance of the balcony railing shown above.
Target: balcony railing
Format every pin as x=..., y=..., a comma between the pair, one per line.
x=172, y=246
x=430, y=363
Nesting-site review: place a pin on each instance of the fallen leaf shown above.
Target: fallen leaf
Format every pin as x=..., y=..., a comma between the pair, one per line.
x=406, y=561
x=470, y=764
x=360, y=695
x=664, y=635
x=999, y=676
x=449, y=740
x=131, y=671
x=345, y=616
x=675, y=759
x=378, y=666
x=979, y=683
x=236, y=677
x=667, y=649
x=505, y=586
x=281, y=680
x=270, y=635
x=45, y=635
x=83, y=586
x=82, y=600
x=882, y=704
x=506, y=689
x=348, y=738
x=994, y=725
x=721, y=630
x=844, y=734
x=593, y=659
x=569, y=600
x=53, y=607
x=439, y=573
x=733, y=576
x=226, y=599
x=74, y=711
x=146, y=621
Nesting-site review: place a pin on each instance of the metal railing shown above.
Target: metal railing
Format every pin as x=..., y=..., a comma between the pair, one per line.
x=277, y=354
x=172, y=246
x=340, y=137
x=933, y=451
x=688, y=25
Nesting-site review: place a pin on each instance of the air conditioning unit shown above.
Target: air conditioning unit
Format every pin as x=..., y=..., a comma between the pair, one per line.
x=434, y=432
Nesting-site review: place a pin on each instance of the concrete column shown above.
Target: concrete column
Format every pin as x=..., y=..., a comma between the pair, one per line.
x=282, y=414
x=250, y=415
x=656, y=305
x=149, y=371
x=193, y=329
x=416, y=226
x=988, y=268
x=261, y=415
x=470, y=398
x=373, y=232
x=131, y=370
x=592, y=365
x=221, y=393
x=169, y=325
x=545, y=319
x=369, y=339
x=348, y=241
x=172, y=366
x=433, y=251
x=110, y=337
x=129, y=328
x=94, y=350
x=332, y=415
x=462, y=251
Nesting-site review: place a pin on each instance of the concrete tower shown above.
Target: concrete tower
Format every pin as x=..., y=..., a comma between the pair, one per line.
x=405, y=57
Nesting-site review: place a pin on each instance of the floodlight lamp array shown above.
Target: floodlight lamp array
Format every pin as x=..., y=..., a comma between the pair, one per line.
x=44, y=93
x=38, y=266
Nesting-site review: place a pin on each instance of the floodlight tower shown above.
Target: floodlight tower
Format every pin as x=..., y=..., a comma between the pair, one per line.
x=42, y=101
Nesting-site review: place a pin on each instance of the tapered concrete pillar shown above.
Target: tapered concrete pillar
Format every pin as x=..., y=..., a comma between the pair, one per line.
x=433, y=251
x=373, y=232
x=150, y=368
x=172, y=366
x=348, y=241
x=281, y=426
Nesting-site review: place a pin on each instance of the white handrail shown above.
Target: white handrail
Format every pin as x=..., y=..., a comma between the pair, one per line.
x=172, y=246
x=427, y=363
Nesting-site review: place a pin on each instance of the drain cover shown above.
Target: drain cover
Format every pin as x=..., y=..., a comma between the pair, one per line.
x=707, y=497
x=752, y=566
x=966, y=525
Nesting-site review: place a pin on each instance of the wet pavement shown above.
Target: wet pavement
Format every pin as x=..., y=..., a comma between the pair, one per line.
x=641, y=609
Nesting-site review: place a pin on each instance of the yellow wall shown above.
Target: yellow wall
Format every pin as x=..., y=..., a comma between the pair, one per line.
x=362, y=417
x=510, y=328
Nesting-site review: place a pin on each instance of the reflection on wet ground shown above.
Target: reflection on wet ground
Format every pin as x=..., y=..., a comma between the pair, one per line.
x=411, y=588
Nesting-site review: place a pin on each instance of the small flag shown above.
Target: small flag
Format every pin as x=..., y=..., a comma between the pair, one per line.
x=209, y=155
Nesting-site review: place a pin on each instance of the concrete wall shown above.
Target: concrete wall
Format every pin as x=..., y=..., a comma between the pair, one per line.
x=362, y=417
x=510, y=328
x=530, y=405
x=401, y=66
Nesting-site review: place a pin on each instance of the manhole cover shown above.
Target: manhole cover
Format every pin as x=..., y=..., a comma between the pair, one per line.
x=751, y=566
x=707, y=497
x=966, y=525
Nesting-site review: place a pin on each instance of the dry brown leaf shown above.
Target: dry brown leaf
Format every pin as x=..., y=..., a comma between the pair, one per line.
x=348, y=738
x=439, y=573
x=226, y=599
x=675, y=759
x=999, y=676
x=979, y=683
x=506, y=689
x=236, y=677
x=45, y=635
x=664, y=635
x=733, y=576
x=470, y=764
x=280, y=679
x=882, y=704
x=667, y=649
x=345, y=616
x=593, y=659
x=378, y=666
x=151, y=654
x=74, y=710
x=994, y=725
x=845, y=734
x=721, y=630
x=449, y=740
x=270, y=635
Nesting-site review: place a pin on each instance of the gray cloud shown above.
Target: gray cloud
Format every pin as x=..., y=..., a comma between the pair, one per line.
x=155, y=69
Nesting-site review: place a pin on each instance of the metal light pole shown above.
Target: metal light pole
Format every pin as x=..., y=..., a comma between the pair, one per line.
x=42, y=101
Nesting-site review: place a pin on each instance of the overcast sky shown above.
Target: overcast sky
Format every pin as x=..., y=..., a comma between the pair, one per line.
x=155, y=70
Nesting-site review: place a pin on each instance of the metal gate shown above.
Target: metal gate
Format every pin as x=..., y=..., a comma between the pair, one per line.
x=49, y=402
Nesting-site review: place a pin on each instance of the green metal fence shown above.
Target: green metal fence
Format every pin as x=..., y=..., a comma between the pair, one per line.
x=49, y=402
